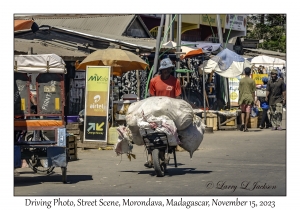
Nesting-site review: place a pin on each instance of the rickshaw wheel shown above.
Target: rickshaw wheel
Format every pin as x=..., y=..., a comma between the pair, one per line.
x=38, y=165
x=159, y=163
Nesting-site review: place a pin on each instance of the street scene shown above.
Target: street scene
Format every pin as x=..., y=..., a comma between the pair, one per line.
x=155, y=106
x=228, y=163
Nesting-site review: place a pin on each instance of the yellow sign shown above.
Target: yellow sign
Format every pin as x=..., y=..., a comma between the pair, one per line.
x=97, y=78
x=233, y=96
x=258, y=78
x=22, y=104
x=96, y=103
x=56, y=103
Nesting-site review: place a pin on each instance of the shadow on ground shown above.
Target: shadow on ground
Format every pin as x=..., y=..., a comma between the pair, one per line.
x=171, y=171
x=39, y=179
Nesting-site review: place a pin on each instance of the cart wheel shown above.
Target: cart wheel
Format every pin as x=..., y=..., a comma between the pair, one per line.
x=158, y=162
x=38, y=165
x=64, y=174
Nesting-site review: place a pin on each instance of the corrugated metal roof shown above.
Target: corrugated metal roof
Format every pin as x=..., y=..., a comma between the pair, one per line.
x=22, y=46
x=266, y=52
x=121, y=40
x=108, y=24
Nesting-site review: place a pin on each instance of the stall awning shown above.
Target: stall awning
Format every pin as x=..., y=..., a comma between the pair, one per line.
x=22, y=24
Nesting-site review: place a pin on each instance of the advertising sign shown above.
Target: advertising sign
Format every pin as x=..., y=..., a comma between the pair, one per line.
x=258, y=78
x=236, y=22
x=96, y=103
x=211, y=20
x=234, y=83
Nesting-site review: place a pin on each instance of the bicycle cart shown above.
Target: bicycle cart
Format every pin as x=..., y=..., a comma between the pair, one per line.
x=39, y=131
x=157, y=145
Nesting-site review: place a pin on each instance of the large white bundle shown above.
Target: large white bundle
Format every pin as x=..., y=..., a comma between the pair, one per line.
x=132, y=114
x=177, y=110
x=192, y=136
x=136, y=136
x=161, y=124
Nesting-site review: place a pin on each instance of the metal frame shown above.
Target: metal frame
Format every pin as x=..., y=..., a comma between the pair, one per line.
x=55, y=151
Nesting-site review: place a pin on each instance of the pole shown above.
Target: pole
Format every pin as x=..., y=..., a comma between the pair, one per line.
x=172, y=29
x=203, y=91
x=178, y=47
x=220, y=35
x=166, y=27
x=158, y=37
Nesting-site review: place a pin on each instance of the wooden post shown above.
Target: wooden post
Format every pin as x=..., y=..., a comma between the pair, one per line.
x=138, y=83
x=30, y=51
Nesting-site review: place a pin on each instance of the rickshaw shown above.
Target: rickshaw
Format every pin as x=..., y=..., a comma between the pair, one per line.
x=39, y=131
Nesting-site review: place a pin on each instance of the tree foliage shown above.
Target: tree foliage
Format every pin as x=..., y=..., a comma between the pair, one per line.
x=270, y=28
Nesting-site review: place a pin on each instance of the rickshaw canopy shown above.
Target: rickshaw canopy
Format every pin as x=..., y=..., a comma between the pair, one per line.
x=42, y=63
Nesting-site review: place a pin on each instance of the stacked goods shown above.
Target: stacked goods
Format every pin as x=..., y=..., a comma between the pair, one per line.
x=175, y=117
x=74, y=129
x=72, y=147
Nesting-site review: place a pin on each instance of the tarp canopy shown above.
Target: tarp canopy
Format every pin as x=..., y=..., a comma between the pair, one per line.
x=226, y=63
x=204, y=45
x=267, y=61
x=42, y=63
x=22, y=24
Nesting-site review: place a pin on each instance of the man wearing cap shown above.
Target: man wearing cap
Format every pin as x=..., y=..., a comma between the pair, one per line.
x=165, y=84
x=247, y=89
x=276, y=96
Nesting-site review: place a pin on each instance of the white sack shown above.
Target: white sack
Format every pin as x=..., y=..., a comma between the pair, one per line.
x=123, y=147
x=124, y=144
x=135, y=135
x=192, y=136
x=162, y=124
x=178, y=110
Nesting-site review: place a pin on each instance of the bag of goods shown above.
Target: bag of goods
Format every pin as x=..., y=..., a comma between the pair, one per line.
x=124, y=141
x=177, y=110
x=192, y=136
x=162, y=124
x=136, y=137
x=132, y=114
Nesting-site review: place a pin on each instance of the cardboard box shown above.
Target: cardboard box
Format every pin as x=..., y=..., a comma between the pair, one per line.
x=253, y=122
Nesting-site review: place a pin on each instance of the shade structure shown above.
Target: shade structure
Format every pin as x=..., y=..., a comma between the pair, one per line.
x=121, y=61
x=22, y=24
x=267, y=61
x=190, y=52
x=41, y=63
x=170, y=44
x=226, y=63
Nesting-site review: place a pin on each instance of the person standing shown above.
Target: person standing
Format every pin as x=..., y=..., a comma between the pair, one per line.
x=276, y=96
x=247, y=89
x=165, y=84
x=265, y=123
